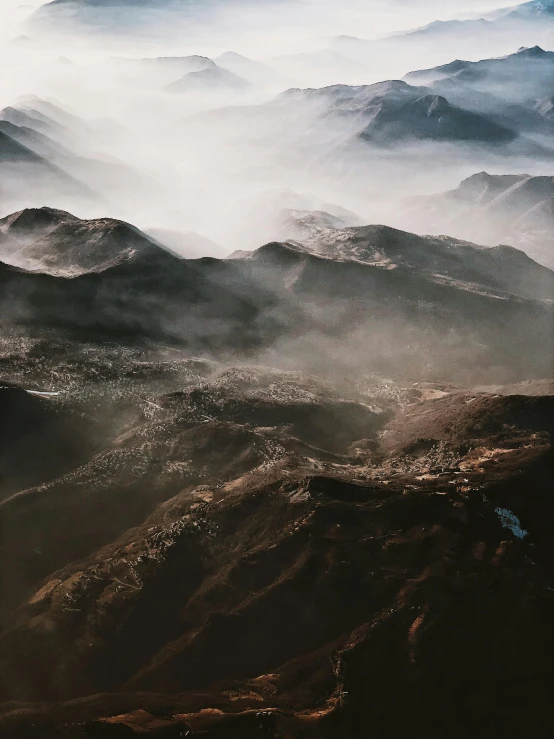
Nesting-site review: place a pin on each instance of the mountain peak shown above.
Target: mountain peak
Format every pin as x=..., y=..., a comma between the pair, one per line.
x=532, y=52
x=32, y=219
x=56, y=242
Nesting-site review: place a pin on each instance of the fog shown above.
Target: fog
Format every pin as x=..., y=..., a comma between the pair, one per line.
x=211, y=145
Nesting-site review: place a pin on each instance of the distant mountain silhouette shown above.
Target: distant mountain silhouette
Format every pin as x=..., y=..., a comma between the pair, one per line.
x=512, y=209
x=514, y=88
x=391, y=112
x=210, y=79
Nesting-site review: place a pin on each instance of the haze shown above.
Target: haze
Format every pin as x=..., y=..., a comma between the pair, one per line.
x=218, y=157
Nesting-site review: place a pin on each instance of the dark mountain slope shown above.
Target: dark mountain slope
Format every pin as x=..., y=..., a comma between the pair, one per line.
x=32, y=163
x=511, y=88
x=393, y=111
x=11, y=151
x=432, y=117
x=278, y=598
x=42, y=145
x=212, y=432
x=39, y=439
x=500, y=268
x=371, y=281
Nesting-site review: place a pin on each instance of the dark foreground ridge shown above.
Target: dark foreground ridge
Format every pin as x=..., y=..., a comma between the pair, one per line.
x=260, y=553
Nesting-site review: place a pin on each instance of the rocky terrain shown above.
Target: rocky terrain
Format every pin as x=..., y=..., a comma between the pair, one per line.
x=194, y=541
x=258, y=552
x=276, y=392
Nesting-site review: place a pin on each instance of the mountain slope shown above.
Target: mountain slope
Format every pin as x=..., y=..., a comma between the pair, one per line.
x=431, y=117
x=390, y=112
x=372, y=280
x=525, y=73
x=53, y=241
x=514, y=88
x=511, y=209
x=12, y=151
x=499, y=268
x=211, y=573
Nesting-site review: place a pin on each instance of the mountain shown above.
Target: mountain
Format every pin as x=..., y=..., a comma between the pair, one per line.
x=45, y=117
x=387, y=113
x=540, y=9
x=25, y=169
x=510, y=209
x=39, y=439
x=358, y=282
x=12, y=151
x=257, y=73
x=513, y=88
x=211, y=79
x=442, y=257
x=267, y=552
x=532, y=65
x=437, y=43
x=54, y=241
x=105, y=276
x=42, y=145
x=526, y=16
x=160, y=71
x=69, y=170
x=432, y=117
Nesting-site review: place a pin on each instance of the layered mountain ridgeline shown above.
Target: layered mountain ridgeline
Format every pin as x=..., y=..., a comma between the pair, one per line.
x=257, y=73
x=214, y=79
x=157, y=71
x=192, y=73
x=532, y=65
x=66, y=159
x=509, y=209
x=516, y=88
x=259, y=552
x=440, y=258
x=498, y=33
x=383, y=296
x=343, y=125
x=390, y=112
x=523, y=19
x=119, y=16
x=29, y=158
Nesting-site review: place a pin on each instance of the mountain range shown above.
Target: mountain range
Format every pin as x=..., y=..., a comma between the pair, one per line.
x=515, y=88
x=368, y=280
x=248, y=547
x=302, y=490
x=493, y=209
